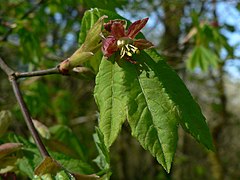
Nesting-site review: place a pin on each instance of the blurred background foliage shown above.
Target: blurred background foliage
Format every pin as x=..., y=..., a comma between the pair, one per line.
x=199, y=39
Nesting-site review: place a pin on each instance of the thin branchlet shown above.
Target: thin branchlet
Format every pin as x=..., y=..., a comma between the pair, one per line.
x=24, y=109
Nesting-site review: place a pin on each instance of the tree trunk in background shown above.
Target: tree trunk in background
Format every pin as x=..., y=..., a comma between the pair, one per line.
x=173, y=13
x=214, y=158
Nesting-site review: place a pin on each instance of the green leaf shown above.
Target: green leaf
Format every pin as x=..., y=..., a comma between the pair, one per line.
x=189, y=112
x=105, y=4
x=203, y=58
x=73, y=165
x=209, y=57
x=28, y=162
x=157, y=101
x=152, y=115
x=63, y=175
x=60, y=161
x=25, y=165
x=193, y=59
x=110, y=94
x=89, y=19
x=103, y=160
x=12, y=137
x=66, y=136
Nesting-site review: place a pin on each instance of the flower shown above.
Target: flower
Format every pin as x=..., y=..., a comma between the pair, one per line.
x=122, y=40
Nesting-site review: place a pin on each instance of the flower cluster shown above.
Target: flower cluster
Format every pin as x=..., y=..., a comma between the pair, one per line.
x=120, y=40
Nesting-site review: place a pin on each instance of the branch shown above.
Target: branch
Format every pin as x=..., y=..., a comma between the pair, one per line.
x=6, y=68
x=28, y=119
x=13, y=76
x=54, y=70
x=26, y=114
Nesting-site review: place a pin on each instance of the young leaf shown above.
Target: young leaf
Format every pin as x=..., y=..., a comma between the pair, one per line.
x=157, y=101
x=89, y=18
x=209, y=57
x=90, y=46
x=192, y=61
x=203, y=58
x=110, y=94
x=152, y=115
x=190, y=115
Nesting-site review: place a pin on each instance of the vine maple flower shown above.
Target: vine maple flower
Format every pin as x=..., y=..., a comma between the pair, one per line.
x=121, y=40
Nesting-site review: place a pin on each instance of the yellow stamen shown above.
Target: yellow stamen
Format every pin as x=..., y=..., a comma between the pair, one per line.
x=126, y=48
x=128, y=53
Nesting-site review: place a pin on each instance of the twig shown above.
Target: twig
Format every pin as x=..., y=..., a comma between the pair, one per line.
x=54, y=70
x=26, y=114
x=6, y=68
x=28, y=119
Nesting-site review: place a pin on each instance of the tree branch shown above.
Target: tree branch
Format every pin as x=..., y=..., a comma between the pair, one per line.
x=6, y=68
x=28, y=119
x=54, y=70
x=13, y=76
x=26, y=114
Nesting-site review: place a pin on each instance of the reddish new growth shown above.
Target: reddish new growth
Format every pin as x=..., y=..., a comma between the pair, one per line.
x=121, y=40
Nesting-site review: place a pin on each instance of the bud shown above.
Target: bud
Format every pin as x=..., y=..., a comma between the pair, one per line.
x=87, y=50
x=93, y=39
x=9, y=148
x=42, y=129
